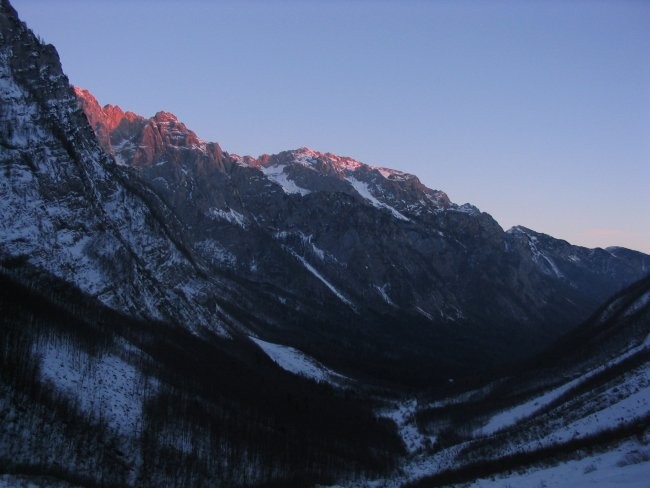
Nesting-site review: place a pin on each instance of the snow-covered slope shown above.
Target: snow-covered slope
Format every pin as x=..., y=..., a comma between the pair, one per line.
x=626, y=464
x=106, y=387
x=639, y=379
x=69, y=209
x=577, y=421
x=297, y=362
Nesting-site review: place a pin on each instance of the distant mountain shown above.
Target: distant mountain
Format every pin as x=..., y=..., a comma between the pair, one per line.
x=367, y=239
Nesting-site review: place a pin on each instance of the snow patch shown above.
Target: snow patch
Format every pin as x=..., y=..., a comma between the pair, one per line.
x=105, y=386
x=307, y=241
x=393, y=174
x=466, y=208
x=332, y=288
x=277, y=174
x=229, y=215
x=640, y=303
x=424, y=313
x=605, y=470
x=384, y=295
x=297, y=362
x=124, y=147
x=306, y=156
x=403, y=414
x=546, y=263
x=363, y=190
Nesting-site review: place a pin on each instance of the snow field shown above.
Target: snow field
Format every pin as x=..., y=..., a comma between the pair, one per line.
x=277, y=175
x=513, y=415
x=364, y=191
x=106, y=386
x=296, y=362
x=613, y=469
x=403, y=414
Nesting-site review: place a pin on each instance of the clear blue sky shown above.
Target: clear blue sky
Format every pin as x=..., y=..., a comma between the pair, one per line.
x=538, y=112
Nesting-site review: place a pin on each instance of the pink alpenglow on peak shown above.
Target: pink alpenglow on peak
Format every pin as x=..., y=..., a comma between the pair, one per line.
x=307, y=155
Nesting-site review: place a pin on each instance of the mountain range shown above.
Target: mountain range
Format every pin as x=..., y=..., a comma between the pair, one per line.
x=181, y=286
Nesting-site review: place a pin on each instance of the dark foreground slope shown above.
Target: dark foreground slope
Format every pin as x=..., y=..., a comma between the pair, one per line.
x=137, y=403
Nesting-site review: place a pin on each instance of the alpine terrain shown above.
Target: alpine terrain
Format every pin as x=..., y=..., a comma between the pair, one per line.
x=175, y=315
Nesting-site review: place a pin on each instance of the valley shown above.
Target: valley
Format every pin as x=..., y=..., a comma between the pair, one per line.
x=172, y=314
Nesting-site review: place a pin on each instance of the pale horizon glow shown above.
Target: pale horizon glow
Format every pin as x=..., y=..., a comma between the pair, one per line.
x=536, y=112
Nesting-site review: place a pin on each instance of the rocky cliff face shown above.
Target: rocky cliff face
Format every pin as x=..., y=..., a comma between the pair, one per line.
x=69, y=209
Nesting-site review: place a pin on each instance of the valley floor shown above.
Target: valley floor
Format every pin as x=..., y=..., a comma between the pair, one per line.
x=589, y=430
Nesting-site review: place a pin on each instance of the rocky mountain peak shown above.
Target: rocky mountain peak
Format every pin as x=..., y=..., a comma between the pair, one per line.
x=106, y=120
x=109, y=115
x=136, y=141
x=166, y=118
x=165, y=142
x=308, y=156
x=172, y=132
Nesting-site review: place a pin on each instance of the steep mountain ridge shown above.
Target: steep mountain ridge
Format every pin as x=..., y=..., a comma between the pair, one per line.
x=68, y=208
x=367, y=235
x=363, y=268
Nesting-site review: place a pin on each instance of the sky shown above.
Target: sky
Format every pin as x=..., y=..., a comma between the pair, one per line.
x=537, y=112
